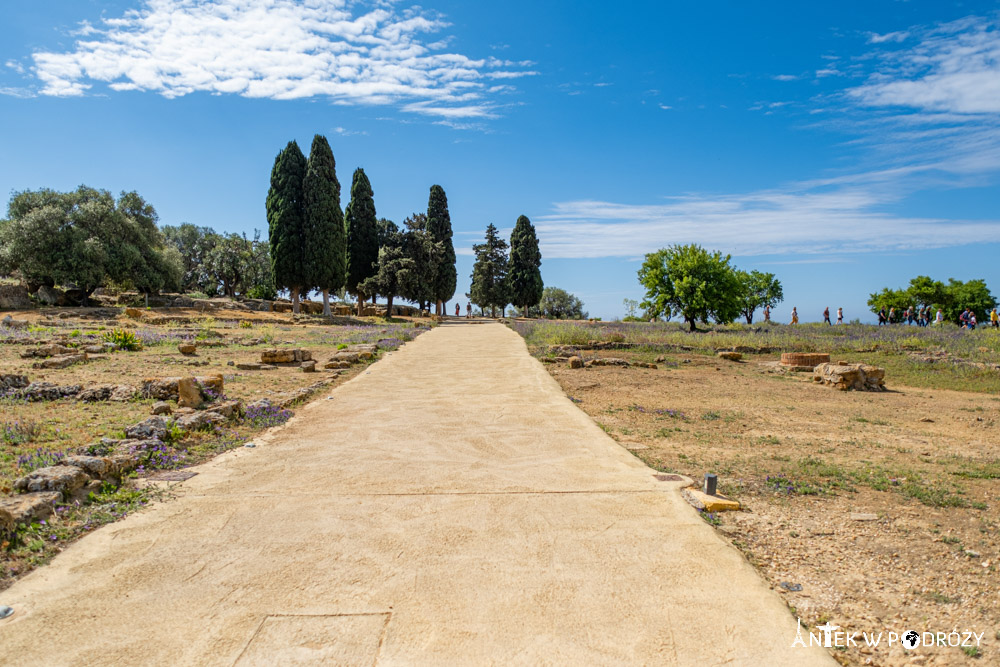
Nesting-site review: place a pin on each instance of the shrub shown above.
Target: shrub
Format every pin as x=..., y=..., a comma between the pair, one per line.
x=124, y=339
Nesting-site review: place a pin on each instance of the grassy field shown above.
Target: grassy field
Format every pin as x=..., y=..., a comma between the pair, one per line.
x=965, y=360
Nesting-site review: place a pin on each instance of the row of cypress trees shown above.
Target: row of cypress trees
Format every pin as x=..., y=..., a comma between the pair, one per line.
x=499, y=279
x=316, y=246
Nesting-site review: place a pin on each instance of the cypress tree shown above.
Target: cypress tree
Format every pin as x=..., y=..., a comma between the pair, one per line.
x=325, y=237
x=362, y=236
x=286, y=222
x=489, y=273
x=439, y=226
x=525, y=276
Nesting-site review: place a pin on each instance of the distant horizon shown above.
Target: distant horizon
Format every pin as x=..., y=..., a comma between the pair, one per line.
x=844, y=149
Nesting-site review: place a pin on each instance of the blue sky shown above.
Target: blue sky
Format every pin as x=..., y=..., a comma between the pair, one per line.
x=844, y=146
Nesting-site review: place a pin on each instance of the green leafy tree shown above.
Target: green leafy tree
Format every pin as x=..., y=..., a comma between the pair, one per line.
x=923, y=291
x=888, y=299
x=325, y=237
x=525, y=275
x=287, y=224
x=392, y=265
x=85, y=238
x=419, y=282
x=952, y=298
x=362, y=236
x=439, y=227
x=194, y=244
x=631, y=310
x=692, y=282
x=558, y=304
x=972, y=294
x=139, y=251
x=758, y=290
x=489, y=273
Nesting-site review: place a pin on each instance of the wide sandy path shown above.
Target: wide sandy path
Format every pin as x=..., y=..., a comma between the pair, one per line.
x=448, y=506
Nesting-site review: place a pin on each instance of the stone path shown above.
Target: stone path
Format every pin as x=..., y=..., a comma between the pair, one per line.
x=449, y=506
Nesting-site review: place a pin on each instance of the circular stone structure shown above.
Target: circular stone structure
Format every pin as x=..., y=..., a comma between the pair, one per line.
x=804, y=359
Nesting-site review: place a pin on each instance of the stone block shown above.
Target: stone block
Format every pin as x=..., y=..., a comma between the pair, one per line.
x=63, y=479
x=26, y=508
x=97, y=467
x=188, y=393
x=716, y=503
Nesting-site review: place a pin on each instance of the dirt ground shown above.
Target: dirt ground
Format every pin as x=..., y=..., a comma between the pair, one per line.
x=807, y=462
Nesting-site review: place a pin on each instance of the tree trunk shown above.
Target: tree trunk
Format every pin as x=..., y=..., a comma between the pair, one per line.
x=146, y=295
x=326, y=304
x=693, y=327
x=750, y=318
x=361, y=301
x=295, y=300
x=493, y=312
x=388, y=307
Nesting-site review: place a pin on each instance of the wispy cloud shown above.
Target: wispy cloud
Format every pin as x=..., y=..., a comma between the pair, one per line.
x=280, y=49
x=807, y=219
x=954, y=67
x=897, y=36
x=927, y=115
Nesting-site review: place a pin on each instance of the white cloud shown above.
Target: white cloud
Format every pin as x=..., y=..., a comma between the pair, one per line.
x=801, y=220
x=954, y=67
x=786, y=77
x=898, y=36
x=279, y=49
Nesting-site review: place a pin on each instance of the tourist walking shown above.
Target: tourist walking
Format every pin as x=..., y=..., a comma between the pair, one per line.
x=994, y=319
x=826, y=315
x=767, y=313
x=457, y=310
x=892, y=314
x=795, y=315
x=881, y=316
x=939, y=318
x=840, y=316
x=468, y=310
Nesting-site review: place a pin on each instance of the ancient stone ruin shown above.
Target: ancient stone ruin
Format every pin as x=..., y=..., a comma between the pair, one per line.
x=846, y=377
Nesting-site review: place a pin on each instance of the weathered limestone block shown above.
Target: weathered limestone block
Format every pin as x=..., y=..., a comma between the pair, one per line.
x=97, y=467
x=14, y=297
x=51, y=296
x=12, y=381
x=610, y=361
x=275, y=356
x=187, y=349
x=188, y=393
x=50, y=350
x=48, y=391
x=199, y=420
x=62, y=361
x=166, y=388
x=154, y=427
x=804, y=359
x=575, y=362
x=846, y=377
x=730, y=356
x=63, y=479
x=26, y=508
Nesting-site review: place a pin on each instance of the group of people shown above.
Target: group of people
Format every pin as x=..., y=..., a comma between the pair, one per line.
x=468, y=311
x=922, y=317
x=795, y=315
x=912, y=315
